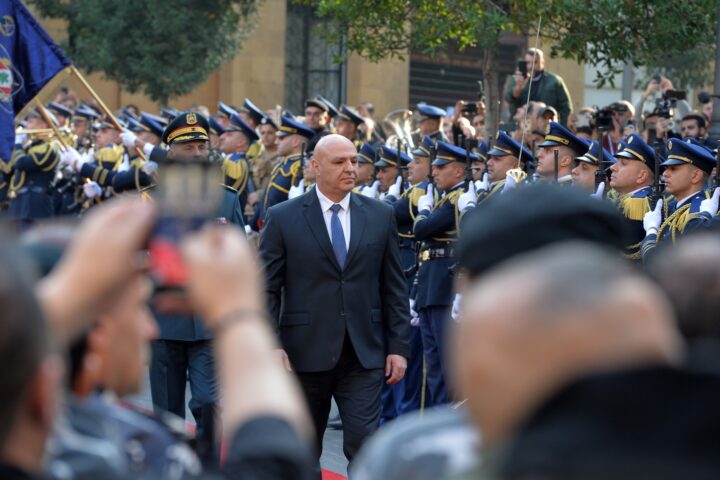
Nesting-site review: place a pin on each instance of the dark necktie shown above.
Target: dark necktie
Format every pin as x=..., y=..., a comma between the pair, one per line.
x=337, y=236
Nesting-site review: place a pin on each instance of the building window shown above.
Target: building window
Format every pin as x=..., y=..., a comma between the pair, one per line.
x=309, y=66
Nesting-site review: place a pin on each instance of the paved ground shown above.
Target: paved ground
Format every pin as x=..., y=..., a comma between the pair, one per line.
x=332, y=458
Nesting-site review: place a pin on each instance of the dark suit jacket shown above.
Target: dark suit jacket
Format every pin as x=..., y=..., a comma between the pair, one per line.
x=313, y=302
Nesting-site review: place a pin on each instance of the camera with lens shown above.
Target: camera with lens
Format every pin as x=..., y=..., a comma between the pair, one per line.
x=665, y=106
x=602, y=118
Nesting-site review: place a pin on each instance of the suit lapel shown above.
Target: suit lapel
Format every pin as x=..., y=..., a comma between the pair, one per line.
x=316, y=222
x=358, y=216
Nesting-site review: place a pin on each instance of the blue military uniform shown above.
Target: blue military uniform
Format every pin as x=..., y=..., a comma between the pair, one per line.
x=236, y=166
x=435, y=113
x=438, y=231
x=559, y=136
x=183, y=349
x=636, y=204
x=677, y=214
x=504, y=145
x=33, y=172
x=285, y=174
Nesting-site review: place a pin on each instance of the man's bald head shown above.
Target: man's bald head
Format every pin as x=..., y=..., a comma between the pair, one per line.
x=335, y=163
x=546, y=318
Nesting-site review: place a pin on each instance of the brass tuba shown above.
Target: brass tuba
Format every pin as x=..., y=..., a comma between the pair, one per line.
x=400, y=126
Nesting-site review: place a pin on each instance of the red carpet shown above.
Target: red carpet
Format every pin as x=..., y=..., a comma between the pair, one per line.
x=326, y=475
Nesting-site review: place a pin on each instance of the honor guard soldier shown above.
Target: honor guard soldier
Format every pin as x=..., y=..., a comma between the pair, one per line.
x=215, y=132
x=568, y=146
x=33, y=170
x=584, y=173
x=367, y=156
x=235, y=142
x=252, y=115
x=632, y=177
x=389, y=168
x=407, y=395
x=430, y=121
x=317, y=116
x=687, y=169
x=503, y=157
x=61, y=112
x=347, y=123
x=224, y=114
x=81, y=125
x=147, y=132
x=263, y=165
x=479, y=165
x=436, y=226
x=288, y=173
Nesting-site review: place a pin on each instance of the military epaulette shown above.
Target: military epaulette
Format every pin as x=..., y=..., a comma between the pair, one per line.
x=452, y=197
x=113, y=154
x=295, y=168
x=635, y=208
x=255, y=150
x=415, y=193
x=234, y=170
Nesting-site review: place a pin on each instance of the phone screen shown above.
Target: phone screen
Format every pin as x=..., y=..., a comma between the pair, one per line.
x=188, y=195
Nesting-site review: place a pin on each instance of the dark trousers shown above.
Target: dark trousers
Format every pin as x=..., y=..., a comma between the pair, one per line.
x=433, y=326
x=357, y=394
x=173, y=364
x=406, y=395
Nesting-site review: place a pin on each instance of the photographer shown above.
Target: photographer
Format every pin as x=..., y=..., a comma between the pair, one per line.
x=621, y=113
x=694, y=125
x=543, y=86
x=463, y=119
x=263, y=411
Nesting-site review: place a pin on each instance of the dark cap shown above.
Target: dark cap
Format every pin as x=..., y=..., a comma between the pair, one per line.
x=559, y=135
x=681, y=152
x=186, y=127
x=528, y=218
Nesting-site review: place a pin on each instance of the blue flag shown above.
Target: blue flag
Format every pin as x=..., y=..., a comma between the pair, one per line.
x=29, y=59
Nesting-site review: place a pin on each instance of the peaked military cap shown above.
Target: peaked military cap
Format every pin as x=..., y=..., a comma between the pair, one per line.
x=367, y=153
x=318, y=103
x=635, y=148
x=289, y=126
x=349, y=114
x=506, y=145
x=559, y=135
x=331, y=108
x=169, y=113
x=215, y=127
x=481, y=151
x=59, y=109
x=266, y=120
x=252, y=111
x=226, y=110
x=429, y=112
x=105, y=122
x=593, y=155
x=447, y=153
x=426, y=148
x=237, y=124
x=389, y=157
x=683, y=152
x=150, y=124
x=186, y=127
x=84, y=112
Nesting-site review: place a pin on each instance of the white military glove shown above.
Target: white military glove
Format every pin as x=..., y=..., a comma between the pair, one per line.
x=150, y=167
x=599, y=192
x=394, y=190
x=128, y=139
x=509, y=184
x=653, y=219
x=371, y=191
x=484, y=184
x=381, y=196
x=69, y=157
x=20, y=139
x=296, y=190
x=427, y=201
x=457, y=301
x=710, y=205
x=467, y=199
x=414, y=317
x=92, y=190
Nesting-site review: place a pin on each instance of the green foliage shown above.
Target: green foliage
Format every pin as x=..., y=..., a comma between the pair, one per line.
x=158, y=47
x=599, y=32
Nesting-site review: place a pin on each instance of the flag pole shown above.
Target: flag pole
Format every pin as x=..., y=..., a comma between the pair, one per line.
x=102, y=105
x=50, y=122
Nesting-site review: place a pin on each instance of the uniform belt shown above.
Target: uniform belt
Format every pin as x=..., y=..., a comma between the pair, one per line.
x=24, y=190
x=432, y=253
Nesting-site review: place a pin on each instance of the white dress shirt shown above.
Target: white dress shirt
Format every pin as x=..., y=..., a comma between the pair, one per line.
x=343, y=215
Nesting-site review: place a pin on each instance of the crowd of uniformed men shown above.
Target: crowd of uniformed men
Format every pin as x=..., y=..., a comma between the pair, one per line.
x=432, y=176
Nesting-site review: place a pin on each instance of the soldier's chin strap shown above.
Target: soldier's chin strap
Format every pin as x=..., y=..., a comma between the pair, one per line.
x=527, y=102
